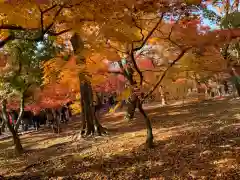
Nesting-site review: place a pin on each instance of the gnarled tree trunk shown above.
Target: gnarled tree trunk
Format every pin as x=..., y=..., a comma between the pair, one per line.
x=91, y=123
x=16, y=140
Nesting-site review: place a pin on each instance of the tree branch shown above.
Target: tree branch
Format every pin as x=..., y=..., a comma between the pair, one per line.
x=141, y=30
x=51, y=33
x=41, y=19
x=49, y=9
x=149, y=34
x=133, y=50
x=151, y=70
x=11, y=27
x=165, y=72
x=136, y=66
x=7, y=39
x=53, y=21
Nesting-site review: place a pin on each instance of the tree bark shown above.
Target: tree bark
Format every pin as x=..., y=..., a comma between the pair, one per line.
x=149, y=140
x=91, y=124
x=132, y=100
x=2, y=129
x=16, y=140
x=131, y=107
x=20, y=115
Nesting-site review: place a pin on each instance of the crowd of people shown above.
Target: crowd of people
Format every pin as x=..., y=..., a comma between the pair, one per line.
x=51, y=117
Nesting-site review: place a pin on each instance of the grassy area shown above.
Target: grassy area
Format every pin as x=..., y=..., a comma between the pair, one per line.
x=198, y=141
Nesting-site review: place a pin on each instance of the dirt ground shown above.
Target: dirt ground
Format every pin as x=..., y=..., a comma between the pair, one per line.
x=197, y=141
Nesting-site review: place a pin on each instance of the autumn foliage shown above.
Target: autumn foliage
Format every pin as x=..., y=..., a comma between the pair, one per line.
x=132, y=47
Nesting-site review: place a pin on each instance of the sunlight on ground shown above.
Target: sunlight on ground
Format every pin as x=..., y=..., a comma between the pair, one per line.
x=188, y=144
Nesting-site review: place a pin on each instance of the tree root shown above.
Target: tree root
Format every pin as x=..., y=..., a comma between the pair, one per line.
x=84, y=133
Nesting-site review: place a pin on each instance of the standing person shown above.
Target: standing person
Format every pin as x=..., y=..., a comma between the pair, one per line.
x=97, y=106
x=69, y=110
x=111, y=101
x=42, y=117
x=10, y=119
x=36, y=121
x=49, y=117
x=218, y=90
x=62, y=114
x=14, y=116
x=226, y=88
x=56, y=120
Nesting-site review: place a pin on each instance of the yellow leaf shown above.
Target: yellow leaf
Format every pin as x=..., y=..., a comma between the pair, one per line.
x=111, y=55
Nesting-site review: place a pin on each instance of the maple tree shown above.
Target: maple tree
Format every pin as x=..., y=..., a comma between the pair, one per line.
x=225, y=14
x=20, y=76
x=120, y=31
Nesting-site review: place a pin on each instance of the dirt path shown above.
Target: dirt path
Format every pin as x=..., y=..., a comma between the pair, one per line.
x=197, y=141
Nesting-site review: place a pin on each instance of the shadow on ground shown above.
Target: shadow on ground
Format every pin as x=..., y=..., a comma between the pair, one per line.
x=198, y=141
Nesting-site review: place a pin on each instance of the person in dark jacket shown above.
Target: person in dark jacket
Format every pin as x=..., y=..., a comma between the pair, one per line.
x=36, y=121
x=226, y=88
x=63, y=114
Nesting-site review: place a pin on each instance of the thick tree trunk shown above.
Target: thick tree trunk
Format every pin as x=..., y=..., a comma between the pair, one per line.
x=16, y=139
x=17, y=142
x=90, y=122
x=91, y=125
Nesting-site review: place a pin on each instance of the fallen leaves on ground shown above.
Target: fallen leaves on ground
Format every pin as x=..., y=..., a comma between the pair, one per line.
x=197, y=141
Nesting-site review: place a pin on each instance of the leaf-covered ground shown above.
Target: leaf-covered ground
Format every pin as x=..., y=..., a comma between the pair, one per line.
x=198, y=141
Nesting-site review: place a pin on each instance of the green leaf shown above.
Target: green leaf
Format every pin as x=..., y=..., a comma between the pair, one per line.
x=232, y=20
x=51, y=38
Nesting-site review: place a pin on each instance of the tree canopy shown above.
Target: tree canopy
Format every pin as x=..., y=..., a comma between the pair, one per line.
x=54, y=51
